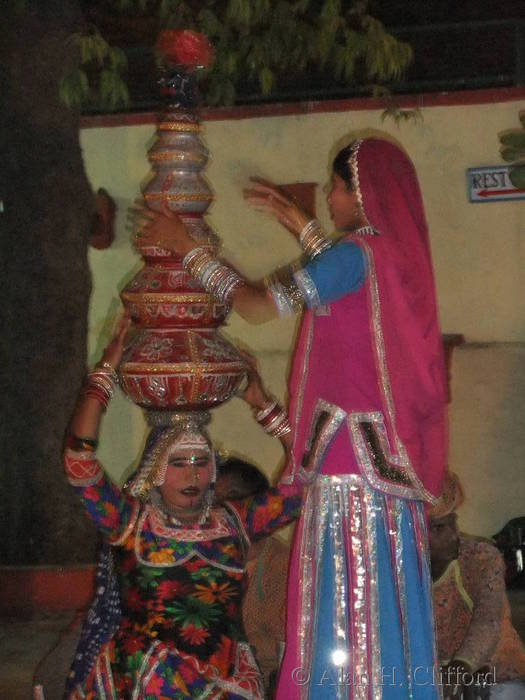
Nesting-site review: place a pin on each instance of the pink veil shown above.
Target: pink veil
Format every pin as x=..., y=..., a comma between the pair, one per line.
x=402, y=304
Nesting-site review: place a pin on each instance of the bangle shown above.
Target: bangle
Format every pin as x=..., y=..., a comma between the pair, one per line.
x=98, y=396
x=285, y=293
x=111, y=371
x=312, y=239
x=265, y=410
x=273, y=419
x=99, y=386
x=216, y=278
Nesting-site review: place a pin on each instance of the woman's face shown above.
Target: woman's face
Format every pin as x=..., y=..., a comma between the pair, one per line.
x=343, y=204
x=188, y=475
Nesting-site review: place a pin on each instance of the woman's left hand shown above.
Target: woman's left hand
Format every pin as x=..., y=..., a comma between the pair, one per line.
x=161, y=229
x=266, y=196
x=114, y=349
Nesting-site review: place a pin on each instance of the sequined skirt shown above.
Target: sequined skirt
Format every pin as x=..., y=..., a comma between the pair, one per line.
x=359, y=611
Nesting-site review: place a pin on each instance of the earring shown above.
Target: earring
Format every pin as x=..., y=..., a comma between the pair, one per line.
x=160, y=476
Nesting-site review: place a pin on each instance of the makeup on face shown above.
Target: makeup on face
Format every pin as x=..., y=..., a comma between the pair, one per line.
x=188, y=476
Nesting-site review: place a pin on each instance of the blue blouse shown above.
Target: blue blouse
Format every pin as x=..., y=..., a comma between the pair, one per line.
x=330, y=275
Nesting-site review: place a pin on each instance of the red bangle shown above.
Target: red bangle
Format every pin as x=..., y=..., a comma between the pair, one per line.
x=98, y=395
x=270, y=417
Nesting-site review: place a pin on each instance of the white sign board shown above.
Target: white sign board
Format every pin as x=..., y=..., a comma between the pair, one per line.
x=491, y=184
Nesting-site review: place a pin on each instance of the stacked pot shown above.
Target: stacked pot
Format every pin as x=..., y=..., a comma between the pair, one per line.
x=178, y=361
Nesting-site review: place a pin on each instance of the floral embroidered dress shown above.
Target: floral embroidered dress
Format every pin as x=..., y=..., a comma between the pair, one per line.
x=181, y=587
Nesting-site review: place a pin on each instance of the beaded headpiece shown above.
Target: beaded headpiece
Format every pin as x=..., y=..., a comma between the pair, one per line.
x=367, y=229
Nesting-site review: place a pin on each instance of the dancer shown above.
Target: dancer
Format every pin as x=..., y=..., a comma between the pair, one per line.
x=179, y=559
x=367, y=406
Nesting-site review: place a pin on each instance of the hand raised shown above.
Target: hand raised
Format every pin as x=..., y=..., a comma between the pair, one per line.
x=113, y=351
x=265, y=196
x=253, y=394
x=161, y=229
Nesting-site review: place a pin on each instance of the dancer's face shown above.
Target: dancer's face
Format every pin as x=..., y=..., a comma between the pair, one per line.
x=343, y=204
x=188, y=476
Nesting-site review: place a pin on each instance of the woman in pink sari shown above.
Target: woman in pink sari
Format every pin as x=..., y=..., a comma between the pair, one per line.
x=367, y=413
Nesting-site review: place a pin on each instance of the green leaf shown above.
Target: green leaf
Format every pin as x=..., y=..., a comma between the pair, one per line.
x=230, y=63
x=402, y=115
x=166, y=8
x=300, y=6
x=261, y=9
x=100, y=48
x=330, y=10
x=113, y=91
x=511, y=153
x=209, y=23
x=228, y=93
x=517, y=176
x=513, y=137
x=239, y=12
x=74, y=88
x=266, y=80
x=214, y=93
x=118, y=60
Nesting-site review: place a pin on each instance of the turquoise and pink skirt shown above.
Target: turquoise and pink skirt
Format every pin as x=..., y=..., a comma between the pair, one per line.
x=359, y=618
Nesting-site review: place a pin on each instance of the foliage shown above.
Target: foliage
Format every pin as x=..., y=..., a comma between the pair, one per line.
x=513, y=151
x=100, y=72
x=396, y=113
x=257, y=42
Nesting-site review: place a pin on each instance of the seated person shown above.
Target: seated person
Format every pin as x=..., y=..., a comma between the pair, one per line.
x=474, y=629
x=263, y=608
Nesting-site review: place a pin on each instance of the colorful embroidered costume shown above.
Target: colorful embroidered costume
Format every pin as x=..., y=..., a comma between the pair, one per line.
x=367, y=407
x=180, y=633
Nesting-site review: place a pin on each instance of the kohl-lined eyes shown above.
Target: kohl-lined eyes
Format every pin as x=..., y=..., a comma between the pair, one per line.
x=192, y=462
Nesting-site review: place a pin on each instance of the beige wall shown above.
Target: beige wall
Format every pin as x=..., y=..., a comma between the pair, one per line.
x=479, y=254
x=487, y=441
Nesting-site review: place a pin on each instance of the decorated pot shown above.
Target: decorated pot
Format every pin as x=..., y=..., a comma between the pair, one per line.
x=181, y=369
x=164, y=296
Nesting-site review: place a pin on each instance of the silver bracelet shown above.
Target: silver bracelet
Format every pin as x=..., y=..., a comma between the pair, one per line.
x=312, y=239
x=217, y=279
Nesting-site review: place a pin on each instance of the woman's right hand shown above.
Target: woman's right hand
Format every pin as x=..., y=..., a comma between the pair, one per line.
x=265, y=196
x=254, y=393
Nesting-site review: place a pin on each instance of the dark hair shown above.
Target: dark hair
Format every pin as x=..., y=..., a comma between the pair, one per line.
x=247, y=479
x=341, y=167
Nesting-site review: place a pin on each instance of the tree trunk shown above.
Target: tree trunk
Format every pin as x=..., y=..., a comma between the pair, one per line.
x=47, y=212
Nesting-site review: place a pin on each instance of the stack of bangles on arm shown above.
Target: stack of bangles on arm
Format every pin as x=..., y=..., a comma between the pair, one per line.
x=100, y=384
x=217, y=279
x=273, y=419
x=312, y=239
